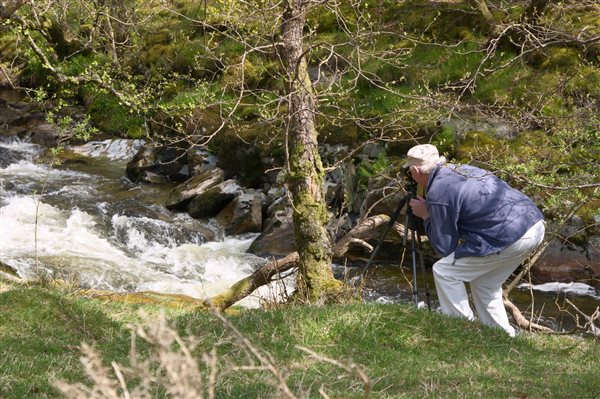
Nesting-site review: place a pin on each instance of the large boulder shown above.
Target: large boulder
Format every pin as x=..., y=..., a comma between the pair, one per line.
x=181, y=195
x=212, y=201
x=277, y=238
x=243, y=214
x=45, y=134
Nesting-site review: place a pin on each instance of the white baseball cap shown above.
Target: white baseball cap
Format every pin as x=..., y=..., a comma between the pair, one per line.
x=422, y=154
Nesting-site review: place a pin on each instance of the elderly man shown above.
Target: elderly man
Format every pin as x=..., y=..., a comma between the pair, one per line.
x=482, y=228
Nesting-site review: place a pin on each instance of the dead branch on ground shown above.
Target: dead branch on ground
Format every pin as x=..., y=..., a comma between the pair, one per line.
x=272, y=269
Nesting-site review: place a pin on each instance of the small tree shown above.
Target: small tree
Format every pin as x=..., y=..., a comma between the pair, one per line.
x=305, y=175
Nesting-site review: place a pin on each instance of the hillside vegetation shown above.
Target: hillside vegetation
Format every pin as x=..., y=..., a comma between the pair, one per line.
x=515, y=90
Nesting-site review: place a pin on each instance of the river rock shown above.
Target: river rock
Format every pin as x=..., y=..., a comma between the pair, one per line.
x=571, y=256
x=181, y=195
x=45, y=134
x=210, y=202
x=118, y=149
x=277, y=238
x=9, y=115
x=199, y=160
x=243, y=214
x=561, y=263
x=9, y=156
x=151, y=162
x=8, y=271
x=12, y=133
x=593, y=254
x=10, y=76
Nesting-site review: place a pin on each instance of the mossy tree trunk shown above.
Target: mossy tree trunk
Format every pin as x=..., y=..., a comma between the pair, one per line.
x=306, y=175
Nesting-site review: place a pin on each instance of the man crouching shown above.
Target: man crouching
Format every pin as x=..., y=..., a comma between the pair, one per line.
x=482, y=228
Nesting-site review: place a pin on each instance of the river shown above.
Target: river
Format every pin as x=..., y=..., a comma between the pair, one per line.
x=87, y=222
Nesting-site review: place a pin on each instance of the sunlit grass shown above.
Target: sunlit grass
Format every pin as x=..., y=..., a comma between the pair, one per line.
x=405, y=352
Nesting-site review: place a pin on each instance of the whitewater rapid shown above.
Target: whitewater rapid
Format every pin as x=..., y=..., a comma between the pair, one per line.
x=97, y=228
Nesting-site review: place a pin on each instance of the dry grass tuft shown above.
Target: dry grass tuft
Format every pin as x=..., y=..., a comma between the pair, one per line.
x=173, y=369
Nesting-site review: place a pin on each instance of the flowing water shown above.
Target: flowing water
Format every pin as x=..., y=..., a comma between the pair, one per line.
x=90, y=223
x=86, y=221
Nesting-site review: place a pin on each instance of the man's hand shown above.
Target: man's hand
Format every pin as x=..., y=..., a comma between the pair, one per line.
x=419, y=207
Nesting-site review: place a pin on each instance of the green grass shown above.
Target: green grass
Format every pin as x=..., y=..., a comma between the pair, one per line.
x=406, y=353
x=40, y=332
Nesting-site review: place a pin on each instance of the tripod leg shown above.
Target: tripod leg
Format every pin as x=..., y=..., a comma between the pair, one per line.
x=414, y=266
x=424, y=272
x=393, y=219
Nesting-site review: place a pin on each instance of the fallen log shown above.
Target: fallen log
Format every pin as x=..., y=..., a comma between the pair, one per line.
x=268, y=272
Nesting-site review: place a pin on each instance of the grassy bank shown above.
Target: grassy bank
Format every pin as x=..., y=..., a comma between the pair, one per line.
x=404, y=352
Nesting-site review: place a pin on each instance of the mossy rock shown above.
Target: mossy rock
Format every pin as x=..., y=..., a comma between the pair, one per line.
x=475, y=143
x=586, y=83
x=590, y=213
x=160, y=54
x=136, y=132
x=63, y=157
x=162, y=36
x=35, y=75
x=177, y=301
x=11, y=271
x=107, y=113
x=347, y=134
x=533, y=138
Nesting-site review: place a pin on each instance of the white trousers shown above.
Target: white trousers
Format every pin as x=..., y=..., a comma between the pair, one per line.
x=485, y=276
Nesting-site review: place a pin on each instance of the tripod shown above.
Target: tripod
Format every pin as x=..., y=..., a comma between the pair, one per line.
x=415, y=239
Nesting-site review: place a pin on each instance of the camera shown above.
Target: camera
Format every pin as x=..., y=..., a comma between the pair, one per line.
x=411, y=184
x=410, y=187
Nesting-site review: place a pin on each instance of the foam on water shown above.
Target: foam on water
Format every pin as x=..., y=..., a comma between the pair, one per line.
x=568, y=288
x=71, y=242
x=89, y=226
